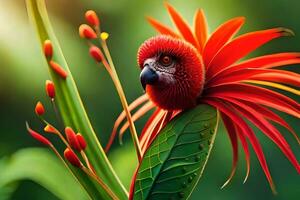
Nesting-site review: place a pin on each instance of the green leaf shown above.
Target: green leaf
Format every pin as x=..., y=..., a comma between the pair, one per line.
x=40, y=166
x=72, y=109
x=174, y=162
x=7, y=191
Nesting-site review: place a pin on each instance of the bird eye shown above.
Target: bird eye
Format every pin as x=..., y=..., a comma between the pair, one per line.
x=166, y=60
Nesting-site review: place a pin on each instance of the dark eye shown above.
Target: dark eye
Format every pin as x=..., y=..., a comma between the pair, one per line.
x=166, y=60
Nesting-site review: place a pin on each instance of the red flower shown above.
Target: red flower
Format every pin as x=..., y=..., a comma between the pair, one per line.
x=234, y=87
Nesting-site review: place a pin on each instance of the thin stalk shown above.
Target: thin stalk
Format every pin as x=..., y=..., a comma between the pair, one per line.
x=57, y=115
x=66, y=165
x=101, y=183
x=122, y=96
x=86, y=160
x=57, y=131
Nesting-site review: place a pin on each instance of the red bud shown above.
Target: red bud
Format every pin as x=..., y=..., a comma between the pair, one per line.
x=39, y=109
x=48, y=49
x=38, y=136
x=96, y=53
x=50, y=129
x=72, y=157
x=72, y=139
x=85, y=31
x=58, y=69
x=81, y=141
x=50, y=89
x=92, y=18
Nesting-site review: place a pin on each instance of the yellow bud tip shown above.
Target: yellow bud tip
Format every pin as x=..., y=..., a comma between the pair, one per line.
x=104, y=35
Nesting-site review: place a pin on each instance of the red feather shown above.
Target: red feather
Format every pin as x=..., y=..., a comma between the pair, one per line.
x=181, y=25
x=220, y=37
x=232, y=133
x=257, y=119
x=241, y=46
x=257, y=94
x=201, y=29
x=262, y=62
x=229, y=111
x=161, y=28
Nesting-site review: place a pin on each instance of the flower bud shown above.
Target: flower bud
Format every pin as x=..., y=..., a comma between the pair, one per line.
x=96, y=53
x=72, y=139
x=92, y=18
x=38, y=136
x=50, y=89
x=85, y=31
x=104, y=35
x=50, y=129
x=39, y=109
x=48, y=49
x=72, y=157
x=81, y=141
x=58, y=69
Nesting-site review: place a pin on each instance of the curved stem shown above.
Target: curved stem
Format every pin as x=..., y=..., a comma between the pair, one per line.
x=123, y=100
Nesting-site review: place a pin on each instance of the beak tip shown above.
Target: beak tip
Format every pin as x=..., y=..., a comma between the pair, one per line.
x=148, y=76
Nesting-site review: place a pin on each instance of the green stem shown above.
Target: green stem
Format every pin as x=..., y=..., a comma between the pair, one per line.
x=72, y=110
x=123, y=100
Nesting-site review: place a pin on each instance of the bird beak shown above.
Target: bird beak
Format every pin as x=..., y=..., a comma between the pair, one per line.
x=148, y=76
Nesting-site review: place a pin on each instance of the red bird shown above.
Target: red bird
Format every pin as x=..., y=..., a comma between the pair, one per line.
x=173, y=73
x=181, y=70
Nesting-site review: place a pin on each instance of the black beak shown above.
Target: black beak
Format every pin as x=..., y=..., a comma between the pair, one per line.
x=148, y=76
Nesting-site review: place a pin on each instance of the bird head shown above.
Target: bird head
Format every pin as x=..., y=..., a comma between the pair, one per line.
x=172, y=72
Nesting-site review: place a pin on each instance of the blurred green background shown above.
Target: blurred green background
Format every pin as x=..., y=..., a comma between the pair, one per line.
x=23, y=73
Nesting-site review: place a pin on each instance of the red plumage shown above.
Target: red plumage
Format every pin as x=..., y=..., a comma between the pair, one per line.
x=236, y=89
x=189, y=72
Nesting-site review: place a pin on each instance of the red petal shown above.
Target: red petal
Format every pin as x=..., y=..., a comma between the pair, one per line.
x=243, y=140
x=236, y=76
x=161, y=28
x=273, y=75
x=267, y=113
x=279, y=76
x=181, y=25
x=122, y=116
x=220, y=37
x=148, y=126
x=153, y=131
x=257, y=119
x=258, y=95
x=161, y=123
x=266, y=61
x=201, y=29
x=241, y=46
x=248, y=131
x=38, y=136
x=144, y=109
x=231, y=131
